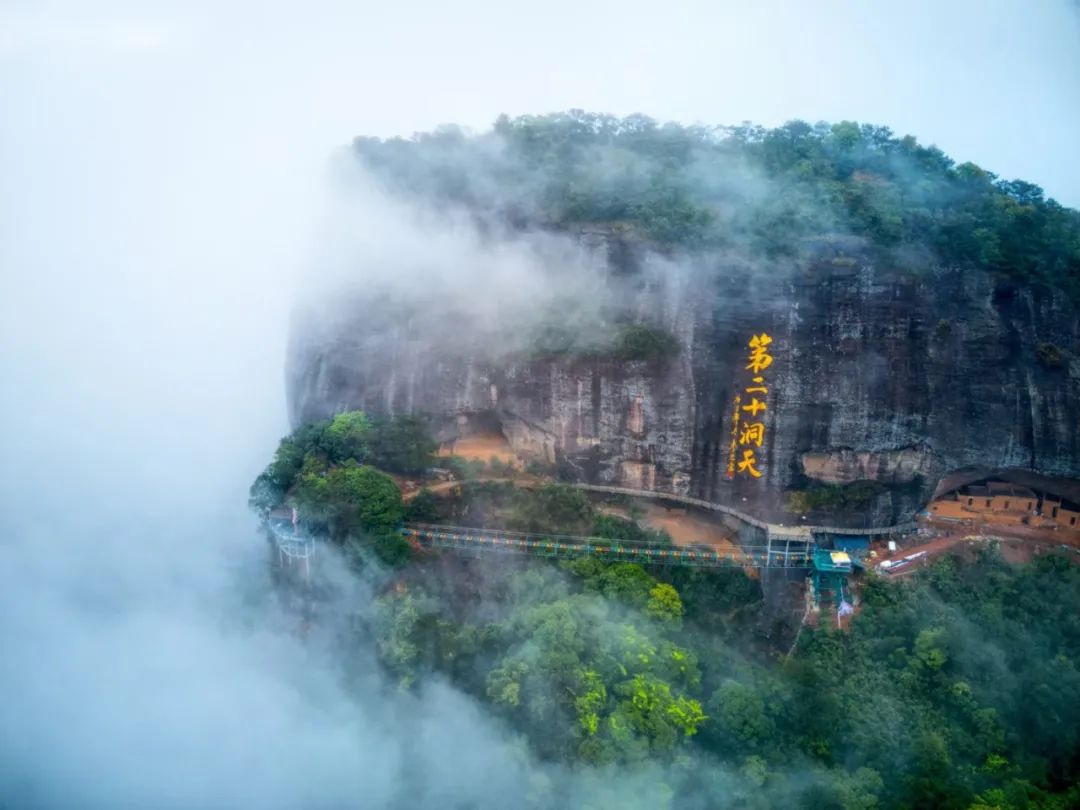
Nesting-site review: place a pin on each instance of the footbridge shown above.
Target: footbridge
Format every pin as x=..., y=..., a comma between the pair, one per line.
x=784, y=546
x=293, y=549
x=796, y=554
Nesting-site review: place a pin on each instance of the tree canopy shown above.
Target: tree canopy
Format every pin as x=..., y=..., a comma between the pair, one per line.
x=393, y=443
x=760, y=190
x=959, y=689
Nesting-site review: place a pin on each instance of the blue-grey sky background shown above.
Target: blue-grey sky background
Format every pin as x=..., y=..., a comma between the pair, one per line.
x=996, y=82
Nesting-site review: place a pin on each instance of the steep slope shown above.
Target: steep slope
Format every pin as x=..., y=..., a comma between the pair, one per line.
x=889, y=363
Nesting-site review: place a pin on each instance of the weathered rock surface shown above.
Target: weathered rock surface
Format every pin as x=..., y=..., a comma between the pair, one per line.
x=877, y=374
x=846, y=466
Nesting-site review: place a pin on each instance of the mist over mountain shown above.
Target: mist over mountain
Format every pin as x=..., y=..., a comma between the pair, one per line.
x=195, y=259
x=567, y=272
x=581, y=294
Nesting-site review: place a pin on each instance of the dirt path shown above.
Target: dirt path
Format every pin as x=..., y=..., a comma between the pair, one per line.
x=407, y=494
x=934, y=548
x=688, y=528
x=436, y=489
x=1013, y=549
x=1006, y=531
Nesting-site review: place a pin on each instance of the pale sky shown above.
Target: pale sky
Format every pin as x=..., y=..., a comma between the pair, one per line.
x=992, y=81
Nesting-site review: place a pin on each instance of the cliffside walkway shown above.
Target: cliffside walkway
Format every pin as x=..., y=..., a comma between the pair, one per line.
x=773, y=530
x=458, y=538
x=785, y=546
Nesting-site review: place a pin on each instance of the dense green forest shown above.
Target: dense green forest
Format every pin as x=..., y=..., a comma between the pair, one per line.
x=957, y=689
x=765, y=192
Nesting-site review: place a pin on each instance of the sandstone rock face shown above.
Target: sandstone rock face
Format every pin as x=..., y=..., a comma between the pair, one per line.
x=877, y=374
x=888, y=466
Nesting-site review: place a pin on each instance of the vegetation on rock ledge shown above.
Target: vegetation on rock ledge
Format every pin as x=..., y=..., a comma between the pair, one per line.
x=957, y=689
x=834, y=498
x=765, y=191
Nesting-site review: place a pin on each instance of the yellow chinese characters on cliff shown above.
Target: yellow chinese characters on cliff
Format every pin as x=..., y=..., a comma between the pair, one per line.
x=748, y=417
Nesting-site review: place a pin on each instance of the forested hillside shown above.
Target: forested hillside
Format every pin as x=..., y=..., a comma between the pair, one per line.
x=762, y=190
x=957, y=689
x=588, y=286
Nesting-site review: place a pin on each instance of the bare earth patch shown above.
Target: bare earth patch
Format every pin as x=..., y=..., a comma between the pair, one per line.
x=688, y=528
x=481, y=447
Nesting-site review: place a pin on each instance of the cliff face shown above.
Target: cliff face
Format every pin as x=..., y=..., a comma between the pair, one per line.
x=877, y=375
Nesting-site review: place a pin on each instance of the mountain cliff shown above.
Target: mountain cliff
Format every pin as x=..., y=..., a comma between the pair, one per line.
x=912, y=317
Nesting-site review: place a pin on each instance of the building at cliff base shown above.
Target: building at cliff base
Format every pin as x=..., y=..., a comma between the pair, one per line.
x=1062, y=513
x=1005, y=503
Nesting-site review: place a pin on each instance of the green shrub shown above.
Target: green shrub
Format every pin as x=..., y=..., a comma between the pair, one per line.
x=350, y=498
x=400, y=444
x=630, y=342
x=835, y=498
x=616, y=528
x=278, y=478
x=475, y=468
x=392, y=550
x=640, y=342
x=540, y=468
x=424, y=508
x=347, y=436
x=553, y=508
x=456, y=465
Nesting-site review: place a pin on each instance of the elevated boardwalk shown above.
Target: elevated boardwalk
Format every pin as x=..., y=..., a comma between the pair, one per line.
x=293, y=550
x=772, y=530
x=784, y=546
x=459, y=538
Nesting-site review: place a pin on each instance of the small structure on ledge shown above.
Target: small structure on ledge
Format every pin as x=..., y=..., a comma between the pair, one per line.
x=829, y=574
x=1005, y=503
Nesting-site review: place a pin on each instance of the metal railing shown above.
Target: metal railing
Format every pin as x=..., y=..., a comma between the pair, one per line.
x=461, y=538
x=776, y=529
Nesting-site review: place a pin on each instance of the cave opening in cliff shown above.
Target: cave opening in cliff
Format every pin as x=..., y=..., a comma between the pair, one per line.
x=479, y=437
